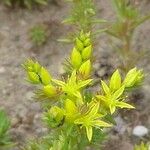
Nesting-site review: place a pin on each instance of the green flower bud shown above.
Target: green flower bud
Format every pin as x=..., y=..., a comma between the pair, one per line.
x=36, y=67
x=33, y=77
x=30, y=69
x=29, y=65
x=87, y=52
x=70, y=111
x=79, y=44
x=76, y=58
x=50, y=90
x=115, y=81
x=82, y=36
x=54, y=116
x=85, y=69
x=45, y=76
x=133, y=78
x=57, y=113
x=87, y=42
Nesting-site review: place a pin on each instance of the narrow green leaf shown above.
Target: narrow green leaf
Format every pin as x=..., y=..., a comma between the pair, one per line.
x=58, y=82
x=100, y=123
x=124, y=105
x=105, y=87
x=89, y=132
x=118, y=93
x=112, y=109
x=101, y=97
x=84, y=83
x=93, y=110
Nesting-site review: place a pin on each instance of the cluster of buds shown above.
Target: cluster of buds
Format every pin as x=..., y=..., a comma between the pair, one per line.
x=113, y=94
x=81, y=55
x=133, y=78
x=37, y=74
x=69, y=104
x=54, y=117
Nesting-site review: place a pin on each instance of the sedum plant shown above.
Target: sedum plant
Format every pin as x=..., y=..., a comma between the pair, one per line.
x=5, y=141
x=128, y=18
x=38, y=35
x=82, y=14
x=142, y=146
x=75, y=117
x=25, y=3
x=81, y=56
x=82, y=17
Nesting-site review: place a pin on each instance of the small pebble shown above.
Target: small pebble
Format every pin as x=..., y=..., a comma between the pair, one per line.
x=140, y=131
x=2, y=70
x=29, y=95
x=101, y=72
x=96, y=66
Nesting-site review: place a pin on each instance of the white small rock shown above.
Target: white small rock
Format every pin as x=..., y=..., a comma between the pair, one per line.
x=140, y=131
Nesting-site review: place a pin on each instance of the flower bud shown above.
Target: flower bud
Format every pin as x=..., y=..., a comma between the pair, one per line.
x=54, y=116
x=36, y=67
x=57, y=113
x=33, y=77
x=133, y=78
x=82, y=36
x=79, y=44
x=70, y=110
x=45, y=76
x=30, y=69
x=86, y=53
x=115, y=81
x=76, y=58
x=29, y=65
x=50, y=90
x=87, y=42
x=85, y=69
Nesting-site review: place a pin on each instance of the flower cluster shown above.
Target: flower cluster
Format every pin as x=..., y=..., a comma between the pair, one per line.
x=81, y=55
x=69, y=105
